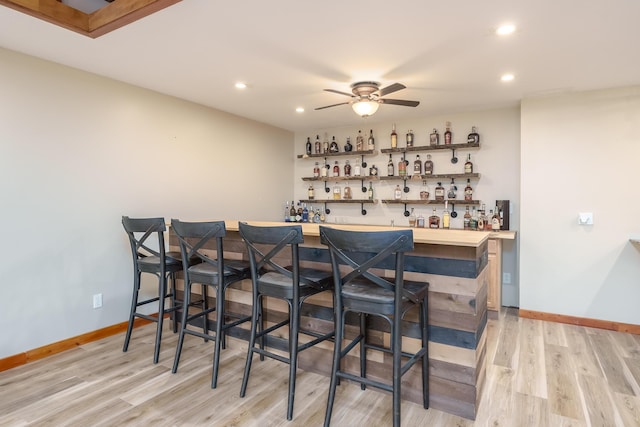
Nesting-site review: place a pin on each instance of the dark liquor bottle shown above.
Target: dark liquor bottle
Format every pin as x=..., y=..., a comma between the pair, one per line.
x=410, y=138
x=434, y=220
x=292, y=213
x=305, y=213
x=394, y=137
x=467, y=219
x=468, y=165
x=448, y=137
x=371, y=143
x=336, y=169
x=468, y=191
x=318, y=146
x=311, y=192
x=439, y=192
x=307, y=148
x=347, y=168
x=373, y=170
x=390, y=170
x=474, y=137
x=348, y=147
x=299, y=213
x=360, y=141
x=434, y=137
x=428, y=165
x=402, y=167
x=417, y=166
x=333, y=148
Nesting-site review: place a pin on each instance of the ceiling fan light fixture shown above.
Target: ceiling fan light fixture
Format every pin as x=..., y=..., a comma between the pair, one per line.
x=365, y=108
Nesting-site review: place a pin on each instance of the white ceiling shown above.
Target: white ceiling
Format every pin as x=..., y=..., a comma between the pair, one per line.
x=288, y=51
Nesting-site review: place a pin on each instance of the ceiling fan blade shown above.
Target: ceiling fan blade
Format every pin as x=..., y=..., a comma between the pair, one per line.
x=332, y=105
x=403, y=102
x=391, y=88
x=339, y=93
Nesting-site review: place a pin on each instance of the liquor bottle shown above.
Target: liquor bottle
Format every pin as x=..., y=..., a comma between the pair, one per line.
x=371, y=144
x=360, y=141
x=468, y=166
x=468, y=191
x=495, y=220
x=307, y=148
x=317, y=216
x=373, y=170
x=410, y=138
x=402, y=167
x=446, y=218
x=428, y=165
x=412, y=218
x=348, y=147
x=390, y=170
x=333, y=148
x=321, y=216
x=474, y=137
x=453, y=190
x=434, y=220
x=370, y=192
x=311, y=192
x=299, y=213
x=473, y=223
x=292, y=213
x=439, y=192
x=286, y=212
x=356, y=168
x=397, y=193
x=424, y=191
x=336, y=169
x=336, y=192
x=323, y=169
x=305, y=213
x=488, y=222
x=467, y=219
x=316, y=170
x=420, y=221
x=312, y=214
x=347, y=192
x=434, y=137
x=318, y=146
x=448, y=137
x=417, y=165
x=325, y=144
x=347, y=168
x=481, y=219
x=394, y=137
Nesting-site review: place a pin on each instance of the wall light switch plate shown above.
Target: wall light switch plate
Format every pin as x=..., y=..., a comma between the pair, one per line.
x=585, y=218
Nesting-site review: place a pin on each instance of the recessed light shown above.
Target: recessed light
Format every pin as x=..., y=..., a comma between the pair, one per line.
x=507, y=77
x=241, y=85
x=505, y=29
x=299, y=110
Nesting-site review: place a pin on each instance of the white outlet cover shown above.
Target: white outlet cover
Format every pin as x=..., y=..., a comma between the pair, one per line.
x=585, y=218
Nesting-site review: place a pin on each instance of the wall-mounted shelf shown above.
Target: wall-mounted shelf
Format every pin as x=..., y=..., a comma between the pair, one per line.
x=432, y=176
x=430, y=148
x=342, y=153
x=341, y=178
x=430, y=202
x=362, y=202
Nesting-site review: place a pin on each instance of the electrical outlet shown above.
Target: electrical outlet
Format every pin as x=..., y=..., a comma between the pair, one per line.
x=506, y=278
x=97, y=301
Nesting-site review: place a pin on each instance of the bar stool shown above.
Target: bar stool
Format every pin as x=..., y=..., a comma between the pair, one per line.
x=145, y=232
x=267, y=246
x=361, y=289
x=213, y=271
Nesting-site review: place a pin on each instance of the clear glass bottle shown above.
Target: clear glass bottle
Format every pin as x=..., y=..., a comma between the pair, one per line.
x=286, y=211
x=321, y=216
x=325, y=144
x=428, y=165
x=336, y=169
x=371, y=143
x=453, y=190
x=495, y=220
x=446, y=218
x=318, y=146
x=307, y=147
x=439, y=192
x=473, y=223
x=488, y=222
x=467, y=219
x=390, y=168
x=360, y=141
x=468, y=191
x=410, y=138
x=316, y=170
x=336, y=192
x=370, y=191
x=311, y=192
x=412, y=218
x=347, y=192
x=448, y=136
x=434, y=137
x=394, y=137
x=417, y=165
x=323, y=170
x=481, y=218
x=468, y=165
x=357, y=169
x=434, y=220
x=317, y=216
x=397, y=193
x=474, y=137
x=312, y=214
x=424, y=191
x=402, y=167
x=347, y=168
x=420, y=221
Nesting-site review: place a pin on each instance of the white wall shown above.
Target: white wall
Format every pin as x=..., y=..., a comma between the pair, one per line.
x=79, y=151
x=580, y=154
x=497, y=161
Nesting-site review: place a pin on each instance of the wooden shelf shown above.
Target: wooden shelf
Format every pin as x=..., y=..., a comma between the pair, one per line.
x=433, y=176
x=341, y=178
x=342, y=153
x=341, y=201
x=430, y=148
x=430, y=202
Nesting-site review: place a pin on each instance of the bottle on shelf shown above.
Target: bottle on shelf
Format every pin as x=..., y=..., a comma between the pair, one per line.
x=321, y=216
x=488, y=222
x=325, y=144
x=434, y=220
x=292, y=213
x=323, y=169
x=371, y=143
x=446, y=218
x=428, y=165
x=357, y=169
x=333, y=148
x=412, y=218
x=347, y=168
x=317, y=216
x=373, y=170
x=468, y=165
x=318, y=146
x=448, y=137
x=453, y=190
x=305, y=213
x=394, y=137
x=420, y=221
x=495, y=219
x=311, y=192
x=307, y=148
x=402, y=167
x=336, y=192
x=286, y=211
x=312, y=214
x=347, y=192
x=434, y=137
x=468, y=191
x=474, y=137
x=481, y=218
x=439, y=192
x=336, y=169
x=316, y=170
x=348, y=147
x=467, y=219
x=473, y=223
x=390, y=169
x=424, y=191
x=360, y=141
x=410, y=138
x=370, y=191
x=299, y=213
x=397, y=193
x=417, y=166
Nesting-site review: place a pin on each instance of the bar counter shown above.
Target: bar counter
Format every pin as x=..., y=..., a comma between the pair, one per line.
x=454, y=262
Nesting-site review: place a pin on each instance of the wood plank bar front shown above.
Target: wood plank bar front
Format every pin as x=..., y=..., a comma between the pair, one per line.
x=454, y=262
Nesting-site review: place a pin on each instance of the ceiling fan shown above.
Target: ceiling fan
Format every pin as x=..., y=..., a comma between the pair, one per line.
x=367, y=97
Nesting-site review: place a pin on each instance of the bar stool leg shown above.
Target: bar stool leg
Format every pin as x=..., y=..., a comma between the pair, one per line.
x=183, y=325
x=134, y=306
x=363, y=349
x=294, y=322
x=335, y=368
x=256, y=317
x=219, y=338
x=162, y=289
x=425, y=357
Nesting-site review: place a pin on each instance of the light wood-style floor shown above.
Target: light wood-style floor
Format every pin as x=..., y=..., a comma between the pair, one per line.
x=538, y=374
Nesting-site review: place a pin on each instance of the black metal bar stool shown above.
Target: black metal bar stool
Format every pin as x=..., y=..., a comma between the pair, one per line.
x=213, y=271
x=360, y=288
x=267, y=247
x=143, y=233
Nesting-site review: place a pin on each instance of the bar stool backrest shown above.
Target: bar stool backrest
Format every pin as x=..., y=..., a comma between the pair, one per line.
x=194, y=237
x=140, y=245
